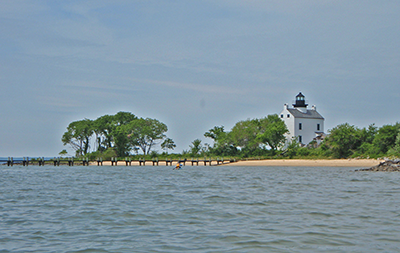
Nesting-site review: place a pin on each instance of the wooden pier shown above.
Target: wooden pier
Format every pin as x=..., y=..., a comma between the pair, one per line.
x=141, y=161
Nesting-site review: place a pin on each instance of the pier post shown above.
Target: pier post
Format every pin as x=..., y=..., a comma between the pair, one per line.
x=10, y=161
x=25, y=161
x=114, y=160
x=155, y=161
x=182, y=161
x=85, y=161
x=195, y=161
x=41, y=161
x=100, y=161
x=56, y=161
x=71, y=161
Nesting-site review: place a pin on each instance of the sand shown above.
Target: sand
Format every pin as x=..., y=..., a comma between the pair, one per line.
x=310, y=163
x=278, y=162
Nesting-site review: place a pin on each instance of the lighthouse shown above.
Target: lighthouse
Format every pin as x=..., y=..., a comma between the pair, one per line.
x=305, y=125
x=300, y=103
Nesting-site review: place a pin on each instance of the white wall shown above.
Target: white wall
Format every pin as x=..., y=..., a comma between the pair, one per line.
x=308, y=129
x=289, y=123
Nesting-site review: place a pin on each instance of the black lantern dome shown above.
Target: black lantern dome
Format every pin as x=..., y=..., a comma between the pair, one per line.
x=300, y=101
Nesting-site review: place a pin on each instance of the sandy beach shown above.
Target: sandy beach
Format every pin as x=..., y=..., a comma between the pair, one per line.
x=310, y=163
x=277, y=162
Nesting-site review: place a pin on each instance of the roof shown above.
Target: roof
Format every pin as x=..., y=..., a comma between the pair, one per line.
x=310, y=114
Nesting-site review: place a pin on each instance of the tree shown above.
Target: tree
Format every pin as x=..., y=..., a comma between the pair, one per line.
x=196, y=147
x=103, y=128
x=292, y=149
x=145, y=133
x=343, y=140
x=244, y=134
x=63, y=152
x=395, y=151
x=216, y=133
x=78, y=136
x=386, y=137
x=168, y=144
x=272, y=131
x=110, y=134
x=222, y=144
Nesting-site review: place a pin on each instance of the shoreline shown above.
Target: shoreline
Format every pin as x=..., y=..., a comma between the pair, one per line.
x=272, y=163
x=308, y=163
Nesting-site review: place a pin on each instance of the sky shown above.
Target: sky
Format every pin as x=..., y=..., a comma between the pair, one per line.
x=192, y=65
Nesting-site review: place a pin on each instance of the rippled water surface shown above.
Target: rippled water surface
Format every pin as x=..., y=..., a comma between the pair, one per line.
x=198, y=209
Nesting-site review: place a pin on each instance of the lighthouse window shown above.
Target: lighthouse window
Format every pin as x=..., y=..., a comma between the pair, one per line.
x=300, y=139
x=300, y=126
x=281, y=115
x=318, y=127
x=288, y=115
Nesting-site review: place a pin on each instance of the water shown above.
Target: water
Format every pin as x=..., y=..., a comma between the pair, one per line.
x=198, y=209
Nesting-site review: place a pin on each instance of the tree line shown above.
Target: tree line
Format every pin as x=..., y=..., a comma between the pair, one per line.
x=247, y=138
x=124, y=133
x=266, y=138
x=118, y=134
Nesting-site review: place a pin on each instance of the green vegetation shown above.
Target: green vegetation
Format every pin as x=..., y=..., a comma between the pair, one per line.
x=116, y=135
x=264, y=138
x=123, y=134
x=252, y=137
x=349, y=141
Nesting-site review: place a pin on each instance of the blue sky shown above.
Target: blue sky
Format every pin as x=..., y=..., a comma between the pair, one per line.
x=192, y=64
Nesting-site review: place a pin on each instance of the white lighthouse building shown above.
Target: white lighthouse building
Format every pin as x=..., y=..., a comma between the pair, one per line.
x=303, y=124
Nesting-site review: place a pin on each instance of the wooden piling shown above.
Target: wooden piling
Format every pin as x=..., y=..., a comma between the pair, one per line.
x=25, y=161
x=182, y=161
x=85, y=161
x=207, y=161
x=114, y=160
x=100, y=161
x=168, y=161
x=10, y=161
x=195, y=161
x=56, y=161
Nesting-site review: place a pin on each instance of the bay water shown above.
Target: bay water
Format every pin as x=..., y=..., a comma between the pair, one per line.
x=198, y=209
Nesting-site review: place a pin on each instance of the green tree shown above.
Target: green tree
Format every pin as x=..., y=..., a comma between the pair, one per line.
x=343, y=140
x=103, y=128
x=395, y=151
x=110, y=134
x=244, y=134
x=63, y=152
x=386, y=137
x=292, y=149
x=222, y=144
x=145, y=133
x=168, y=143
x=78, y=136
x=273, y=131
x=217, y=133
x=196, y=147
